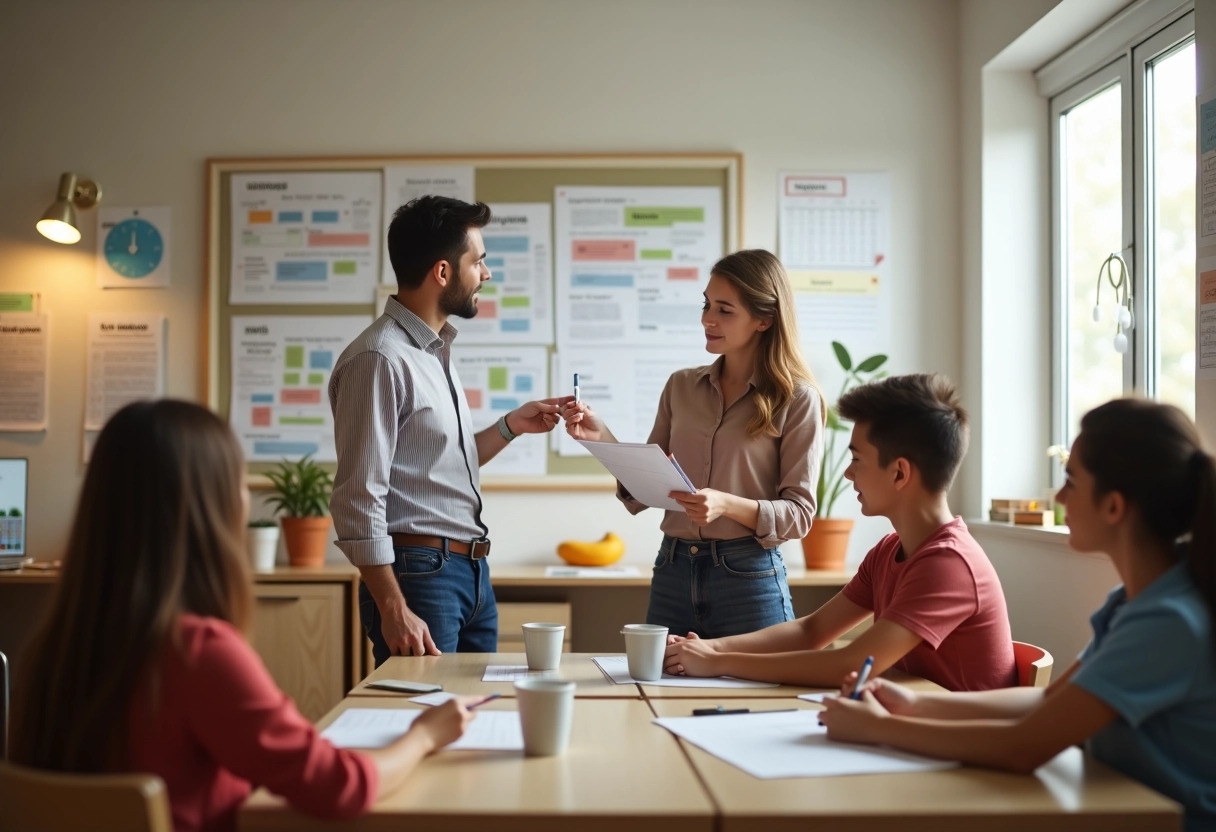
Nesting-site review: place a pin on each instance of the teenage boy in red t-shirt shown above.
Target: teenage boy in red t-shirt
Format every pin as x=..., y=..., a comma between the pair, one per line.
x=939, y=612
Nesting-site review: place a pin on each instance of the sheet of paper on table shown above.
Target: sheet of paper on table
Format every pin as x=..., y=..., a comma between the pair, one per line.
x=616, y=668
x=378, y=727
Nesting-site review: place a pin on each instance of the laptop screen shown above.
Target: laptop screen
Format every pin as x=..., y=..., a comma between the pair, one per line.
x=13, y=477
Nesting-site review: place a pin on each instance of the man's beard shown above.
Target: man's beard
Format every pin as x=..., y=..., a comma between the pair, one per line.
x=453, y=301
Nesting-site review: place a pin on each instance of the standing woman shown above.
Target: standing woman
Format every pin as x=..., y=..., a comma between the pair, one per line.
x=142, y=664
x=747, y=430
x=1142, y=695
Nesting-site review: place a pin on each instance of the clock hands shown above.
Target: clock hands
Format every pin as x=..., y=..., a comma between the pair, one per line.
x=132, y=248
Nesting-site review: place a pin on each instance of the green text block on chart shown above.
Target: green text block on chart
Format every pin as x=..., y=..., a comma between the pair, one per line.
x=316, y=379
x=498, y=378
x=641, y=217
x=295, y=357
x=516, y=302
x=301, y=420
x=345, y=267
x=655, y=254
x=291, y=379
x=16, y=302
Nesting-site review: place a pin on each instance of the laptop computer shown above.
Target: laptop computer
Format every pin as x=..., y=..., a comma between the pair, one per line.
x=14, y=482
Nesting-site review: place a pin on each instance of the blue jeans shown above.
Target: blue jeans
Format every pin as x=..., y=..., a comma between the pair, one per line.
x=450, y=592
x=718, y=588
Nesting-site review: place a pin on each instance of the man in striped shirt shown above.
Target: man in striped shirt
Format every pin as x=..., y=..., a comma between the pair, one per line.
x=406, y=501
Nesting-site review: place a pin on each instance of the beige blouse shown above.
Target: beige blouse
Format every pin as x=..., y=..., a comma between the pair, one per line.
x=715, y=451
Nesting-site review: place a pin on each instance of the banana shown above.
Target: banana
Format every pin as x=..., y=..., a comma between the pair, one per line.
x=598, y=553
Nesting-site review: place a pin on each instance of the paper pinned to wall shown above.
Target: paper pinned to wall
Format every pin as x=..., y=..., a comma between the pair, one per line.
x=403, y=183
x=126, y=362
x=24, y=370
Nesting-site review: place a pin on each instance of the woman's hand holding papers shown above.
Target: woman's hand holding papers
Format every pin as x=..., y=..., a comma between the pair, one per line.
x=705, y=506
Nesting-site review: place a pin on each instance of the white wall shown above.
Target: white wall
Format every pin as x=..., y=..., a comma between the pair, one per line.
x=138, y=94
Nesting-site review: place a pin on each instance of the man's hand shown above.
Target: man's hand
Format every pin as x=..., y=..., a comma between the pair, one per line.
x=703, y=507
x=537, y=417
x=405, y=633
x=693, y=656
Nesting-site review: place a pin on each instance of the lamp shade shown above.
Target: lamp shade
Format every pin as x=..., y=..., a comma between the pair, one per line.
x=58, y=222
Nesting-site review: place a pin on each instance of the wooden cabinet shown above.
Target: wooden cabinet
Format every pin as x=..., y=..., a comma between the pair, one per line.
x=298, y=631
x=513, y=615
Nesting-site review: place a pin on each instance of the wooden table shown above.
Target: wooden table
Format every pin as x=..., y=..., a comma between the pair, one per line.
x=651, y=691
x=461, y=673
x=621, y=772
x=1071, y=792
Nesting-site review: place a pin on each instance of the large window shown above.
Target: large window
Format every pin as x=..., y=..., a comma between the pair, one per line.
x=1124, y=184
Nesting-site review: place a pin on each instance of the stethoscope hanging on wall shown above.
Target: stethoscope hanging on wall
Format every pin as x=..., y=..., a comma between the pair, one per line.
x=1123, y=295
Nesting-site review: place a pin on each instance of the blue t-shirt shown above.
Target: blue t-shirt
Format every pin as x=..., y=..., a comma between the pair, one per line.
x=1152, y=660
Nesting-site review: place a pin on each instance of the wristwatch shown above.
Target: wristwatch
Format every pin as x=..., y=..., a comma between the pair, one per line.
x=504, y=430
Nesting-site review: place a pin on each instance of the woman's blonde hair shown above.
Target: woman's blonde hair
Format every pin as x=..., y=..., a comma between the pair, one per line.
x=158, y=532
x=764, y=288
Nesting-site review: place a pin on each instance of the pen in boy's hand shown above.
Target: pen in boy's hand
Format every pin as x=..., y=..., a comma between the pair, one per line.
x=481, y=702
x=862, y=675
x=577, y=398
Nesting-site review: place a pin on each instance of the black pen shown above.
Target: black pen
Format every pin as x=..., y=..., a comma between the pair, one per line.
x=720, y=711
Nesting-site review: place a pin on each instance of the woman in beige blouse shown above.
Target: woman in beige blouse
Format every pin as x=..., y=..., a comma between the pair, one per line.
x=748, y=431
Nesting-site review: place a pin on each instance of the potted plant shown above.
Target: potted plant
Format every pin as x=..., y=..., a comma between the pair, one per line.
x=827, y=543
x=301, y=496
x=262, y=543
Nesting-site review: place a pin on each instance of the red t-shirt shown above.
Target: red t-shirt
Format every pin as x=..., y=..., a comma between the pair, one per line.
x=219, y=726
x=948, y=594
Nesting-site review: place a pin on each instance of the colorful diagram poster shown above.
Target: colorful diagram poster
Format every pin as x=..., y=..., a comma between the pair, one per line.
x=403, y=183
x=496, y=380
x=279, y=401
x=516, y=304
x=835, y=235
x=632, y=263
x=622, y=385
x=305, y=237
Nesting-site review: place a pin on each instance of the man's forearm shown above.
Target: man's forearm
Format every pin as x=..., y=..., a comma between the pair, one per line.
x=382, y=584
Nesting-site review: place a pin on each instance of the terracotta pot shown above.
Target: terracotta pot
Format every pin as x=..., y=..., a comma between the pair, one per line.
x=306, y=538
x=827, y=543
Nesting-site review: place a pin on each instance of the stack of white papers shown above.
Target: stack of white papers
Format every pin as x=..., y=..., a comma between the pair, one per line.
x=647, y=473
x=591, y=572
x=790, y=744
x=378, y=727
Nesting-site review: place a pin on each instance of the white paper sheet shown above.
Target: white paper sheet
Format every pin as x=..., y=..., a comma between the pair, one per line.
x=437, y=698
x=591, y=572
x=644, y=470
x=616, y=668
x=790, y=744
x=378, y=727
x=817, y=697
x=511, y=672
x=24, y=370
x=403, y=183
x=126, y=363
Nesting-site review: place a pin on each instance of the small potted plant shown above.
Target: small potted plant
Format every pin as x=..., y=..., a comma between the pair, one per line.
x=301, y=497
x=827, y=543
x=262, y=543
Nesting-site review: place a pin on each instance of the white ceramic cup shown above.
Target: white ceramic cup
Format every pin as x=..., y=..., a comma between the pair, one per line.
x=645, y=645
x=543, y=644
x=546, y=709
x=263, y=544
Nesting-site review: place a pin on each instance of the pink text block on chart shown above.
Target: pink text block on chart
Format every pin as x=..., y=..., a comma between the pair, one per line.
x=473, y=396
x=304, y=396
x=317, y=238
x=260, y=417
x=261, y=216
x=682, y=273
x=487, y=308
x=605, y=250
x=1207, y=287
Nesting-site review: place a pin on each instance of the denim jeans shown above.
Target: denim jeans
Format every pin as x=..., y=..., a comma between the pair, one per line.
x=450, y=592
x=718, y=588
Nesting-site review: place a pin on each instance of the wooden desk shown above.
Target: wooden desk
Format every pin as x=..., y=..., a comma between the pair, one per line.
x=620, y=772
x=1072, y=792
x=600, y=605
x=461, y=673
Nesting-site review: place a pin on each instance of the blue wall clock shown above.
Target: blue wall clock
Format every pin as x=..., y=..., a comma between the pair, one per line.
x=133, y=247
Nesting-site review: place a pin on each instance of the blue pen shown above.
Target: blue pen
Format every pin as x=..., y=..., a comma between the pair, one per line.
x=481, y=702
x=862, y=675
x=577, y=397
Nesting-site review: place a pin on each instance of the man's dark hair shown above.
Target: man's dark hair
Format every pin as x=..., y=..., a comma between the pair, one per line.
x=429, y=229
x=917, y=417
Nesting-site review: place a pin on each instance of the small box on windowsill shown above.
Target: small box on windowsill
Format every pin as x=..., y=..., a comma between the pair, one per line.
x=1017, y=505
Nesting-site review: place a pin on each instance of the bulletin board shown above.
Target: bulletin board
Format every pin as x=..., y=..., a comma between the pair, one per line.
x=497, y=179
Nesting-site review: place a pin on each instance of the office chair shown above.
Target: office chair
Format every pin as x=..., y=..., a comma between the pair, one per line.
x=43, y=801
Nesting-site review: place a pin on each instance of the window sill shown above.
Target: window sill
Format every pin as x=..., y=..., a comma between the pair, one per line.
x=1052, y=538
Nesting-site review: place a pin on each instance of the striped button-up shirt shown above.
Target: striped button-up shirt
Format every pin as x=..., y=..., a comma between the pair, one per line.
x=407, y=456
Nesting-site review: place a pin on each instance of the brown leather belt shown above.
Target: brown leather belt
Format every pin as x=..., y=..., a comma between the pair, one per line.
x=475, y=549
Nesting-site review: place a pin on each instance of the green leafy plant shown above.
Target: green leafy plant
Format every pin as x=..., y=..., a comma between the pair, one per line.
x=831, y=473
x=262, y=524
x=301, y=488
x=14, y=512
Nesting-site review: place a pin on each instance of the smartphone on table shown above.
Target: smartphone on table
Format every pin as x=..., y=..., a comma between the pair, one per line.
x=402, y=686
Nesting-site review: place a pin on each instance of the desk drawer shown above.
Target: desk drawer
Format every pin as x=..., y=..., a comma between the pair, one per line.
x=512, y=615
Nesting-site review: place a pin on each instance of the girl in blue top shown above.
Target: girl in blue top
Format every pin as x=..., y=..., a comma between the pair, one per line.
x=1142, y=695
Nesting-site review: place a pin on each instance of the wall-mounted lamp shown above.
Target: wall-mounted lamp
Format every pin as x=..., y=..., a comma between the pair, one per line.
x=58, y=223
